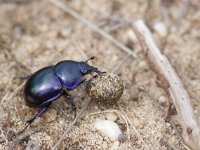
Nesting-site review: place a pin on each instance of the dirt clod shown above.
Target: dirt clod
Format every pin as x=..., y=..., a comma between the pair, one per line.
x=106, y=87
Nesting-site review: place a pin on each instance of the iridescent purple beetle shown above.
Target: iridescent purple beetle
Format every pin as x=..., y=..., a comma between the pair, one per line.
x=49, y=83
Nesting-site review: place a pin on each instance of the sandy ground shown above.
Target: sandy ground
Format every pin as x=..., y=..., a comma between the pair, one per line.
x=38, y=34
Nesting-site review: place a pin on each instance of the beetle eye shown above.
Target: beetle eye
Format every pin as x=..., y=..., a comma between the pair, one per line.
x=84, y=67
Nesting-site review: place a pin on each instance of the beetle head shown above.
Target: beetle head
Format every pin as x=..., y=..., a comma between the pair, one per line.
x=85, y=68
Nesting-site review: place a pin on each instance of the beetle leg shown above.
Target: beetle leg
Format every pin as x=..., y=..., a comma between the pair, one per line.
x=35, y=117
x=73, y=106
x=38, y=114
x=94, y=76
x=98, y=73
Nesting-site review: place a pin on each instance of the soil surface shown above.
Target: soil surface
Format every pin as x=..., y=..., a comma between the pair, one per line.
x=35, y=34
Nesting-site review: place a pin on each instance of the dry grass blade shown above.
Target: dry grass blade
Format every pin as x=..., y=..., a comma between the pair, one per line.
x=120, y=64
x=135, y=130
x=73, y=13
x=4, y=98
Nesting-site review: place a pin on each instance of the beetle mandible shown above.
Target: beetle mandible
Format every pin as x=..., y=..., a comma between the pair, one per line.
x=49, y=83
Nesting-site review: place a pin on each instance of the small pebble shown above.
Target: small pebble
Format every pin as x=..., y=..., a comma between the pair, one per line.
x=96, y=108
x=111, y=116
x=162, y=100
x=173, y=132
x=195, y=111
x=121, y=138
x=132, y=36
x=142, y=65
x=160, y=28
x=65, y=32
x=135, y=95
x=168, y=124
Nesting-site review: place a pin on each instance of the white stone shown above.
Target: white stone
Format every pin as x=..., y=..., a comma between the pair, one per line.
x=132, y=36
x=160, y=28
x=109, y=128
x=111, y=116
x=162, y=100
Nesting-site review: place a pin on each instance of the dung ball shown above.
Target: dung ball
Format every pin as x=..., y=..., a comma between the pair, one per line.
x=105, y=88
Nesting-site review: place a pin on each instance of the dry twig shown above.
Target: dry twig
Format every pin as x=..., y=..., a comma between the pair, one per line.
x=161, y=66
x=73, y=13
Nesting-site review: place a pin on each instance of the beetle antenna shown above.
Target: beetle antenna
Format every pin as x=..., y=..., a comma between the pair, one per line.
x=93, y=57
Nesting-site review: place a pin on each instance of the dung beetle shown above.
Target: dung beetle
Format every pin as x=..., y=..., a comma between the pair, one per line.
x=49, y=83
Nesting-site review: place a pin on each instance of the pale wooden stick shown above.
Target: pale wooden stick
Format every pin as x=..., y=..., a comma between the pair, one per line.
x=162, y=67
